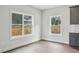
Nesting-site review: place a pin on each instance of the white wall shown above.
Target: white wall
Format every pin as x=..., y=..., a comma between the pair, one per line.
x=5, y=41
x=64, y=11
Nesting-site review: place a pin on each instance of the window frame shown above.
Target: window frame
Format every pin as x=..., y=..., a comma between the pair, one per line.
x=60, y=34
x=23, y=35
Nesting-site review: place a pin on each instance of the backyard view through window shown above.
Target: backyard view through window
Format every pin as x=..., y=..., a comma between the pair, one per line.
x=27, y=24
x=16, y=24
x=21, y=24
x=55, y=25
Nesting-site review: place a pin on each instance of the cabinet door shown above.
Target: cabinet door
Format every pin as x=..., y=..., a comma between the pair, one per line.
x=77, y=40
x=72, y=39
x=74, y=15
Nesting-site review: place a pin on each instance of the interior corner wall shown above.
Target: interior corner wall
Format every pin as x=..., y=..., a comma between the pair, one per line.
x=64, y=11
x=41, y=25
x=6, y=43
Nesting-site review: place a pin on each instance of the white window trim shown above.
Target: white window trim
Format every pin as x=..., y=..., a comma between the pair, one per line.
x=50, y=26
x=19, y=36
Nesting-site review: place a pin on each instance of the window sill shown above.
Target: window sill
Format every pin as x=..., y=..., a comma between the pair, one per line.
x=20, y=36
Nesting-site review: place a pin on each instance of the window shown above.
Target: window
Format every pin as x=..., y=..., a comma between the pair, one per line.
x=16, y=24
x=21, y=24
x=55, y=25
x=27, y=24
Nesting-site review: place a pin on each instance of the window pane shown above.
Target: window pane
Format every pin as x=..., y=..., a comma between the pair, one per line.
x=28, y=29
x=55, y=24
x=16, y=18
x=28, y=22
x=16, y=30
x=26, y=17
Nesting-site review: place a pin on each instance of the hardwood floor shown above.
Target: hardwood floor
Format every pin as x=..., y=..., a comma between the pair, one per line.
x=45, y=47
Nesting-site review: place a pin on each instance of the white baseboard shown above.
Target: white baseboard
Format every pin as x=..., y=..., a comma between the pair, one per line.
x=55, y=40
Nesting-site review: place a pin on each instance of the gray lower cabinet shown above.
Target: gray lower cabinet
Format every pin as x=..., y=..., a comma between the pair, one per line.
x=74, y=39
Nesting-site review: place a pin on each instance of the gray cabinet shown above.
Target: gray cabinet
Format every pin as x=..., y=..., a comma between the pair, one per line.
x=74, y=39
x=74, y=15
x=74, y=19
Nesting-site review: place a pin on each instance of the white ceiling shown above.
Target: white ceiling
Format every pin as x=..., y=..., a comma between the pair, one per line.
x=43, y=7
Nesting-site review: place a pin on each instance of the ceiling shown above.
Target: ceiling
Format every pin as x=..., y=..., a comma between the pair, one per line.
x=43, y=7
